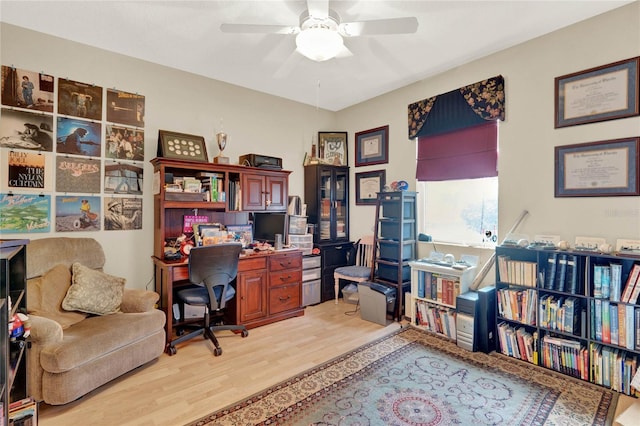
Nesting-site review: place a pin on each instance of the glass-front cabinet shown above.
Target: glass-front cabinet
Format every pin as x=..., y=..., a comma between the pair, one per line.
x=326, y=190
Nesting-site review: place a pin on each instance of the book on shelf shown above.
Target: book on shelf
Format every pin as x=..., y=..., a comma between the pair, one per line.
x=633, y=282
x=597, y=281
x=606, y=322
x=571, y=285
x=614, y=327
x=630, y=327
x=550, y=271
x=636, y=312
x=561, y=272
x=616, y=282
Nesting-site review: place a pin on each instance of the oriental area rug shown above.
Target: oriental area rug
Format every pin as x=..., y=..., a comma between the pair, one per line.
x=412, y=377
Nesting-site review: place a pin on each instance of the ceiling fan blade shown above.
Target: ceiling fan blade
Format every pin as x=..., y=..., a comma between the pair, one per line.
x=319, y=9
x=379, y=26
x=258, y=29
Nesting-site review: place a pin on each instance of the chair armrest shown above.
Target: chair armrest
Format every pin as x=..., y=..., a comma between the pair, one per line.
x=137, y=300
x=44, y=330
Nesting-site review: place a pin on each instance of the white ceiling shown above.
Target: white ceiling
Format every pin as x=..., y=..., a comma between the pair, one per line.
x=186, y=35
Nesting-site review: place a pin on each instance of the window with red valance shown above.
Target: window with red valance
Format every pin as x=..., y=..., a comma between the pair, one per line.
x=457, y=131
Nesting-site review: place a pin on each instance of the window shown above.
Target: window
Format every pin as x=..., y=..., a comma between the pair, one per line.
x=459, y=211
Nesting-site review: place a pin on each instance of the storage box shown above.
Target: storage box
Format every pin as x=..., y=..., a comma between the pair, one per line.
x=311, y=292
x=390, y=229
x=303, y=242
x=390, y=272
x=297, y=225
x=350, y=296
x=389, y=250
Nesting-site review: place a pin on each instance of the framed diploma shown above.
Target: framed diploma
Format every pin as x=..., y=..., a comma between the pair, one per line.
x=603, y=93
x=368, y=184
x=598, y=169
x=372, y=146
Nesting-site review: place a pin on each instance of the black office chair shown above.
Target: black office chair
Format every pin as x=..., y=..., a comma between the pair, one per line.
x=212, y=268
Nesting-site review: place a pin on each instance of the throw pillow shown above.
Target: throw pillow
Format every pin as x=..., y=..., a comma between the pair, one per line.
x=46, y=294
x=93, y=291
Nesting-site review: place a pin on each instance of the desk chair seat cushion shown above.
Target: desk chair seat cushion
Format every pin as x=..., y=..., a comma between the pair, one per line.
x=199, y=296
x=354, y=271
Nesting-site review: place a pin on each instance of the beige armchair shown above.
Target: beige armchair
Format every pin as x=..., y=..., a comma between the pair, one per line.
x=74, y=352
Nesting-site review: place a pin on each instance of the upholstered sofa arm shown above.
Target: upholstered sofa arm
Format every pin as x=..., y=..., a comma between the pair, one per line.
x=44, y=331
x=137, y=300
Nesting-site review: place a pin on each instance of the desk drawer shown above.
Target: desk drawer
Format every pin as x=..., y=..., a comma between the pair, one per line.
x=180, y=273
x=282, y=261
x=285, y=277
x=284, y=298
x=252, y=263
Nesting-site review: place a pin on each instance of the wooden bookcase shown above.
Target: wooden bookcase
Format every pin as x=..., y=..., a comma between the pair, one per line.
x=434, y=289
x=564, y=310
x=246, y=189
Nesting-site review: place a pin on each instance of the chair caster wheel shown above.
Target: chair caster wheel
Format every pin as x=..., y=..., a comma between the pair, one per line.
x=244, y=333
x=217, y=351
x=171, y=350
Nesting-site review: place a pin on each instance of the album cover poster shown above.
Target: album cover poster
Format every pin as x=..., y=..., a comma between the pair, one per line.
x=79, y=99
x=124, y=143
x=26, y=130
x=77, y=213
x=123, y=178
x=122, y=213
x=27, y=89
x=26, y=170
x=125, y=108
x=24, y=213
x=75, y=174
x=78, y=137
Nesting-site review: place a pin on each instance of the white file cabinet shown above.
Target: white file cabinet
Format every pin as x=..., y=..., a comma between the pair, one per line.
x=311, y=280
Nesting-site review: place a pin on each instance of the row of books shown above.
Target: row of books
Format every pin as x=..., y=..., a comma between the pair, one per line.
x=565, y=314
x=518, y=304
x=632, y=286
x=517, y=272
x=615, y=324
x=436, y=319
x=567, y=356
x=562, y=273
x=439, y=287
x=23, y=412
x=213, y=185
x=518, y=342
x=613, y=368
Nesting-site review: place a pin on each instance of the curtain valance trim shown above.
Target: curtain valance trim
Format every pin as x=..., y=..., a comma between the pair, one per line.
x=485, y=98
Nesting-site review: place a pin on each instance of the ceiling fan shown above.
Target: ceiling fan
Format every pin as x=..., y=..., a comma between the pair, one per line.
x=320, y=33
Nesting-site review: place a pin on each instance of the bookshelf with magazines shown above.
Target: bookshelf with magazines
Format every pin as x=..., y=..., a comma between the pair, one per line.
x=574, y=312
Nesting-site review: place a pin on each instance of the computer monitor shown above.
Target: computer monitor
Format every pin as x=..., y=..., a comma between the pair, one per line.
x=267, y=224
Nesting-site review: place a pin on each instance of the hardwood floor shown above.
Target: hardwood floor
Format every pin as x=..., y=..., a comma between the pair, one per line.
x=193, y=383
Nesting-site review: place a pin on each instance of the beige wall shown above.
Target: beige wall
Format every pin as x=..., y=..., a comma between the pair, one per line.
x=269, y=125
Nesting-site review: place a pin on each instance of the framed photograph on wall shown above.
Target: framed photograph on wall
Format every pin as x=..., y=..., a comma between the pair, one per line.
x=181, y=146
x=372, y=146
x=598, y=169
x=332, y=148
x=368, y=184
x=603, y=93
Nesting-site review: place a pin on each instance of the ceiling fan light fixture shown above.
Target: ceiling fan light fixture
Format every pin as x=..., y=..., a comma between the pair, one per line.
x=319, y=43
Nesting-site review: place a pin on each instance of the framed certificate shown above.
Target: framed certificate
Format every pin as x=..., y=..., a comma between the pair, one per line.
x=598, y=169
x=372, y=146
x=603, y=93
x=368, y=184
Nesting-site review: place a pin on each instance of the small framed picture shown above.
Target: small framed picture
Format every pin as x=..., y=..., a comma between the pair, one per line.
x=368, y=184
x=372, y=146
x=332, y=147
x=181, y=146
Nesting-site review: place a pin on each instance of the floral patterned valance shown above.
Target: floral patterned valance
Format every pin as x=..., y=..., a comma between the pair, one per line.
x=468, y=106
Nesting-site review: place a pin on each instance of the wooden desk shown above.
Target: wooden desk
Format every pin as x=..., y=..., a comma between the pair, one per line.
x=268, y=288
